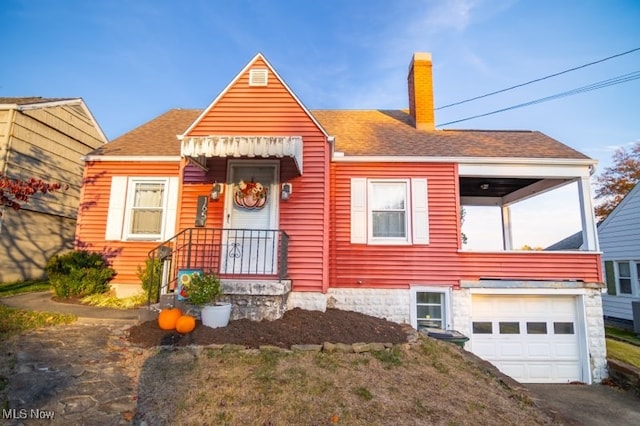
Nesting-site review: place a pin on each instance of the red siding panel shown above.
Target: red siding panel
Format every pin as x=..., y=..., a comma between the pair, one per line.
x=440, y=262
x=124, y=256
x=272, y=110
x=394, y=266
x=531, y=266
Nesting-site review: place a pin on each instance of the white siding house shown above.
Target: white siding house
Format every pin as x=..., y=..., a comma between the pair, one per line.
x=619, y=236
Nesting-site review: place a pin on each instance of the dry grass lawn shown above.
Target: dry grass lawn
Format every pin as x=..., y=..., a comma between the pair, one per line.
x=429, y=382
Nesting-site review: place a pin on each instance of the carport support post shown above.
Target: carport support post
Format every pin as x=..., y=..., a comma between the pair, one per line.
x=507, y=237
x=589, y=234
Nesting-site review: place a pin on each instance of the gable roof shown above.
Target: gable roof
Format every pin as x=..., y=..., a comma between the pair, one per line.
x=27, y=103
x=620, y=207
x=258, y=59
x=391, y=133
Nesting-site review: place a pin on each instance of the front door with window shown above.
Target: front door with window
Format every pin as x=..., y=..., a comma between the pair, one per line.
x=250, y=239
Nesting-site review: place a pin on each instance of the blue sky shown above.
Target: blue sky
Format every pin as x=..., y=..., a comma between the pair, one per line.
x=133, y=60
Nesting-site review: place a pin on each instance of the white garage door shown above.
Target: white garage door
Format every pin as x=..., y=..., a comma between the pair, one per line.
x=533, y=339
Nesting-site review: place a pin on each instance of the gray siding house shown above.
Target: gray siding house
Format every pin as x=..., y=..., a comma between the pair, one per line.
x=619, y=236
x=43, y=138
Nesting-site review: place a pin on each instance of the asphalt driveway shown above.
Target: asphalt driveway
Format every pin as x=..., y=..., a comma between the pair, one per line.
x=579, y=404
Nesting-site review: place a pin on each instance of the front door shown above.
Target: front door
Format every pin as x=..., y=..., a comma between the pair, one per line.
x=250, y=237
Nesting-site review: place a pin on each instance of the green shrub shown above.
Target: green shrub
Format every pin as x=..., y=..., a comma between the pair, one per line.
x=151, y=277
x=79, y=273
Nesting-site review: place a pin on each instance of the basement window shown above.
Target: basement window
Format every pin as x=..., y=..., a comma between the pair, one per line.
x=258, y=77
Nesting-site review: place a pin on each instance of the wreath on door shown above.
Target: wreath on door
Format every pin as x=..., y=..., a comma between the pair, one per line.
x=250, y=195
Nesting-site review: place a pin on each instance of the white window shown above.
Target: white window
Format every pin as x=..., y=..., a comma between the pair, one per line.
x=389, y=211
x=146, y=208
x=142, y=208
x=430, y=307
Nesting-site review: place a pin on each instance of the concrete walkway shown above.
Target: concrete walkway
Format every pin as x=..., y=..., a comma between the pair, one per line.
x=42, y=301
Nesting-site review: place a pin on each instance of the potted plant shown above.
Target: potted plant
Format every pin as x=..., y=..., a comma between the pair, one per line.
x=204, y=290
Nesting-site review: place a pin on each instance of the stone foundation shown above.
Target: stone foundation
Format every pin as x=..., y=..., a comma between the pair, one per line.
x=392, y=305
x=256, y=300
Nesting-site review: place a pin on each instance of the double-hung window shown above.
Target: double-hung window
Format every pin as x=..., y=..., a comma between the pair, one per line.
x=142, y=208
x=146, y=208
x=389, y=211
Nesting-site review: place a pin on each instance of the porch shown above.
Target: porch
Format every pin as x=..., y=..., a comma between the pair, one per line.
x=251, y=264
x=527, y=207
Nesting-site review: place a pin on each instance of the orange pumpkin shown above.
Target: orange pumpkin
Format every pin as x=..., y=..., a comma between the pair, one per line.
x=185, y=324
x=168, y=317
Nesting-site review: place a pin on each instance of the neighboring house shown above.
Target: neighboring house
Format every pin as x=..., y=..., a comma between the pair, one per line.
x=356, y=210
x=44, y=139
x=619, y=236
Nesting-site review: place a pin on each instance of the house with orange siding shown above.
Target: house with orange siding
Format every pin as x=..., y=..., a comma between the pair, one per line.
x=356, y=210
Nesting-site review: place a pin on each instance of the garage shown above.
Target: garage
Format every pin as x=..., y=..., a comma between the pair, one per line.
x=532, y=338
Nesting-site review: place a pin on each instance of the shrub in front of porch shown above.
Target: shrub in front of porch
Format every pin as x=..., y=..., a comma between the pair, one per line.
x=78, y=273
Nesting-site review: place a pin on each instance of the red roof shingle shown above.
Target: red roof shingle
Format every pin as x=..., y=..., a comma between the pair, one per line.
x=154, y=138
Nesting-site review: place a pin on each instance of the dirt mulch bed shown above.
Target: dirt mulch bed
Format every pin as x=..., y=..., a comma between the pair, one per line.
x=297, y=327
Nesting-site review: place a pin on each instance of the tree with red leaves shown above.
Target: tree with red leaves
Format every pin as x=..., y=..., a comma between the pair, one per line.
x=14, y=193
x=616, y=181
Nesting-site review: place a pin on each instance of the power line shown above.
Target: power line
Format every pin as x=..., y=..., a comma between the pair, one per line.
x=599, y=85
x=538, y=79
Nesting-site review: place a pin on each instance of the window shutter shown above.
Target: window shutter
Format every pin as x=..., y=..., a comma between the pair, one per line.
x=420, y=213
x=358, y=210
x=610, y=278
x=172, y=208
x=115, y=214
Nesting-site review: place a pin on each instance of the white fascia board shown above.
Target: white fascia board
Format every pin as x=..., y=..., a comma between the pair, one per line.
x=233, y=82
x=132, y=158
x=487, y=161
x=538, y=169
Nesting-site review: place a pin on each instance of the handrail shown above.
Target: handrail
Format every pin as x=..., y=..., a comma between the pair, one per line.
x=239, y=253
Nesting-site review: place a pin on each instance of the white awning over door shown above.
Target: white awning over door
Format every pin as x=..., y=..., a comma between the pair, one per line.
x=244, y=146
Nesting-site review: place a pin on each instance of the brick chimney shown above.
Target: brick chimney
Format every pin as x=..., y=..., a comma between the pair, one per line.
x=421, y=92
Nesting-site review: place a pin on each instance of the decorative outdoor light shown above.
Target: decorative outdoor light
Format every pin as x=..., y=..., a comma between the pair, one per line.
x=216, y=191
x=287, y=189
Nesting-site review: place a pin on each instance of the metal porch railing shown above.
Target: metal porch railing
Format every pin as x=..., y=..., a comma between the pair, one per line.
x=229, y=253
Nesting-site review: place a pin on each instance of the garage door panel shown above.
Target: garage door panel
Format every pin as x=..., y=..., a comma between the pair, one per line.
x=531, y=338
x=540, y=350
x=513, y=369
x=511, y=350
x=540, y=371
x=567, y=350
x=485, y=349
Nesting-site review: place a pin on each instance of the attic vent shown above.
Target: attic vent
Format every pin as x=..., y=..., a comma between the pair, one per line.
x=258, y=77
